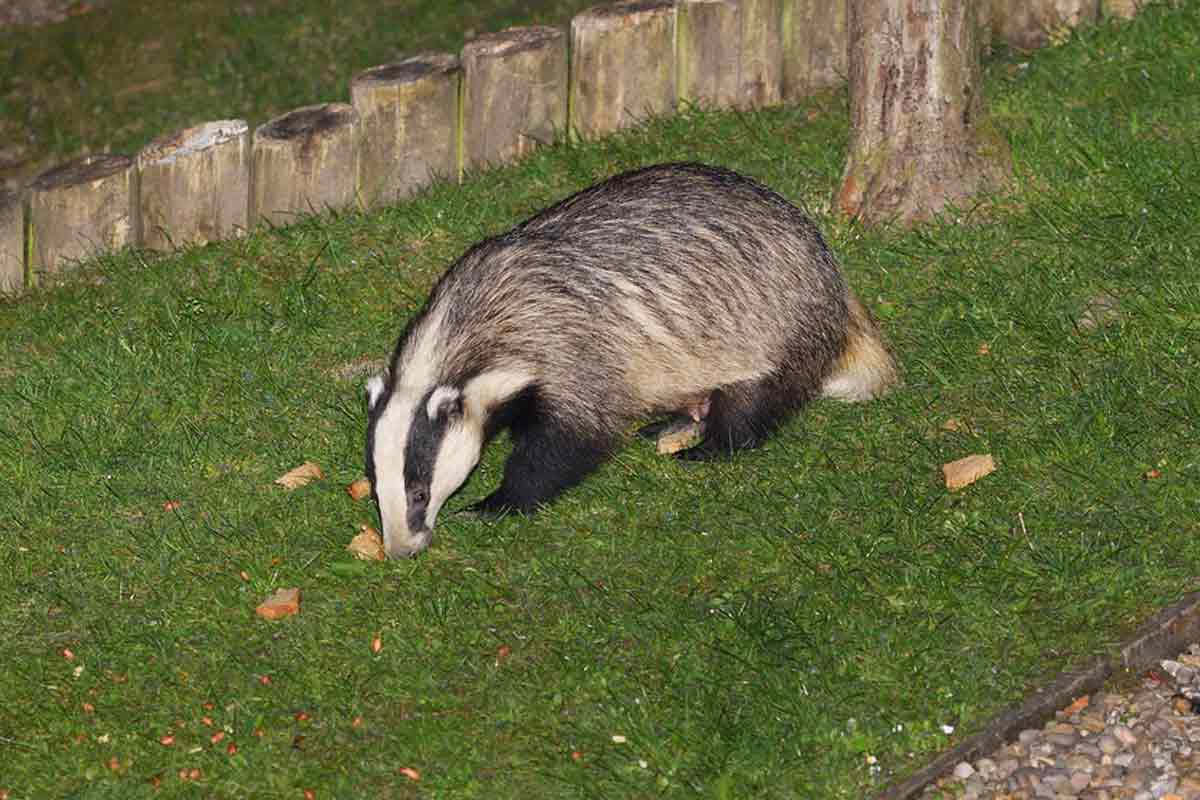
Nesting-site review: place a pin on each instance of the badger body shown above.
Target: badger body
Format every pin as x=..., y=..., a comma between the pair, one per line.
x=676, y=290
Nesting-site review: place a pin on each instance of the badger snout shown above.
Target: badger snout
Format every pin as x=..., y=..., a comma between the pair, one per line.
x=408, y=545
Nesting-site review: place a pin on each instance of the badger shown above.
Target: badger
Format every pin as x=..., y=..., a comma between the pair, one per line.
x=677, y=290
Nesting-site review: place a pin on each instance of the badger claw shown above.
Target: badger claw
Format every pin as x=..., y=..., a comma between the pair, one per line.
x=491, y=507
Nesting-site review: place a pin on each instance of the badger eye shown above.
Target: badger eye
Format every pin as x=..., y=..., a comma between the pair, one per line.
x=419, y=496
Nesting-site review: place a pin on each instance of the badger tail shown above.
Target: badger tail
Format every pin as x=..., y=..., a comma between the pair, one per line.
x=866, y=369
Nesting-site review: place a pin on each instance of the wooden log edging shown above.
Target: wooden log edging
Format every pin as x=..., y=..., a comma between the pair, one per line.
x=12, y=242
x=514, y=95
x=815, y=46
x=622, y=65
x=730, y=52
x=80, y=209
x=305, y=162
x=1029, y=25
x=410, y=125
x=428, y=116
x=195, y=185
x=1162, y=636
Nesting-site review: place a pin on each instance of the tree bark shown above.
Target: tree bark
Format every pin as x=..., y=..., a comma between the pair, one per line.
x=915, y=107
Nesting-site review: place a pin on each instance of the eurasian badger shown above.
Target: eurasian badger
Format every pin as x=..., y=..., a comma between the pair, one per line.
x=678, y=289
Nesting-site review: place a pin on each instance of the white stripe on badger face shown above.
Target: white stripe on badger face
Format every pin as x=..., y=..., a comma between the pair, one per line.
x=463, y=442
x=439, y=399
x=460, y=449
x=391, y=440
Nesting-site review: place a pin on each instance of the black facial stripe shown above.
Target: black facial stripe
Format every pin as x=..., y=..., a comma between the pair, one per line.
x=373, y=415
x=424, y=440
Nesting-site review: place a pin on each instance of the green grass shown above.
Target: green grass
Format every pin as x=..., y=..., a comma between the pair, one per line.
x=759, y=628
x=116, y=77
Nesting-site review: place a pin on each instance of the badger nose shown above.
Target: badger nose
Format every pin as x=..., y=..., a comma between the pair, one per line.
x=410, y=547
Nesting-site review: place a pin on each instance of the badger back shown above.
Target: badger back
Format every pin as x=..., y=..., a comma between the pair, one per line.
x=647, y=288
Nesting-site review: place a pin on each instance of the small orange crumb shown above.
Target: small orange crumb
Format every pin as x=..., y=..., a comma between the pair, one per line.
x=300, y=476
x=966, y=471
x=284, y=603
x=1077, y=705
x=359, y=489
x=367, y=545
x=410, y=773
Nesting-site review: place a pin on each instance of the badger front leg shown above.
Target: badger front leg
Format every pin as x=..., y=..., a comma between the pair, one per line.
x=548, y=458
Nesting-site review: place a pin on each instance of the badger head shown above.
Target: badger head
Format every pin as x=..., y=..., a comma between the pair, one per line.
x=422, y=443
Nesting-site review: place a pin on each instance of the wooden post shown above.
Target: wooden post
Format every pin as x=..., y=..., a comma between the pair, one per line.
x=622, y=65
x=12, y=242
x=195, y=185
x=915, y=106
x=816, y=43
x=730, y=52
x=1122, y=9
x=305, y=162
x=79, y=209
x=410, y=125
x=1029, y=24
x=514, y=93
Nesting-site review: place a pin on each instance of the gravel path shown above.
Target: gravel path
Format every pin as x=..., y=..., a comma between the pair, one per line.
x=1139, y=745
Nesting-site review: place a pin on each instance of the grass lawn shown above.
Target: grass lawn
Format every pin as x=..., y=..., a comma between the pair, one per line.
x=808, y=620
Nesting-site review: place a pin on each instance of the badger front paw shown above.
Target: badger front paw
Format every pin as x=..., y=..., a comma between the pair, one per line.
x=495, y=506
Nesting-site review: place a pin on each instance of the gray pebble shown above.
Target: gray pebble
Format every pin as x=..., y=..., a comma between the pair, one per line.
x=1080, y=781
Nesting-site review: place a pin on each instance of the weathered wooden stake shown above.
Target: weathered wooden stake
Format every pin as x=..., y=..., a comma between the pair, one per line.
x=79, y=209
x=1124, y=9
x=1029, y=24
x=305, y=162
x=916, y=139
x=514, y=93
x=410, y=125
x=731, y=52
x=12, y=242
x=622, y=65
x=195, y=185
x=816, y=43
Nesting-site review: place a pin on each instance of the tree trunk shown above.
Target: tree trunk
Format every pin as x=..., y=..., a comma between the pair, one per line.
x=915, y=103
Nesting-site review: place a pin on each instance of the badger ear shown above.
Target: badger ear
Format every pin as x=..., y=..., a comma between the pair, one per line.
x=444, y=402
x=374, y=391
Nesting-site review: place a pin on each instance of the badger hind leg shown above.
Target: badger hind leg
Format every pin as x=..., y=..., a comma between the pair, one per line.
x=662, y=427
x=548, y=458
x=865, y=369
x=742, y=415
